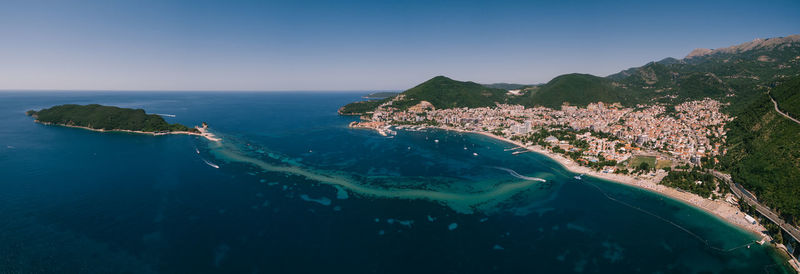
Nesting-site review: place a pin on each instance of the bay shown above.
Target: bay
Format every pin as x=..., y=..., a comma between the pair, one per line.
x=73, y=200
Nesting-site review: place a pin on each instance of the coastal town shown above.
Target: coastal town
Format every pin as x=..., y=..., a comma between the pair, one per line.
x=690, y=133
x=604, y=140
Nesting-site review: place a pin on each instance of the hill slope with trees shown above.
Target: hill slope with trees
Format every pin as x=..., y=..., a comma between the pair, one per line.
x=106, y=118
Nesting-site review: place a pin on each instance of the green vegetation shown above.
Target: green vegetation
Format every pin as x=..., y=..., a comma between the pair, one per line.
x=568, y=135
x=106, y=117
x=444, y=92
x=763, y=148
x=699, y=183
x=764, y=155
x=506, y=86
x=670, y=81
x=663, y=164
x=579, y=90
x=637, y=161
x=360, y=107
x=381, y=95
x=788, y=97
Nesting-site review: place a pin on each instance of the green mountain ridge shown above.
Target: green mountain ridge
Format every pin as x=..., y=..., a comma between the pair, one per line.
x=507, y=86
x=764, y=154
x=787, y=95
x=444, y=92
x=577, y=89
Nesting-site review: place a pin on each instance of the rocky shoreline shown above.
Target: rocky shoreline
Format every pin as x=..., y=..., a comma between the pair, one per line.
x=202, y=131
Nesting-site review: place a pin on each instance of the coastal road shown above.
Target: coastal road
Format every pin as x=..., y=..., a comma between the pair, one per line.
x=750, y=199
x=781, y=112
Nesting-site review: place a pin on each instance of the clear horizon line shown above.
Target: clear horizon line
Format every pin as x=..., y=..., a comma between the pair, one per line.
x=189, y=90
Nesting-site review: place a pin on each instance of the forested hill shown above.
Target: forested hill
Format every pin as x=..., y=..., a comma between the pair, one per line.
x=787, y=95
x=729, y=74
x=764, y=152
x=577, y=89
x=440, y=91
x=763, y=155
x=106, y=117
x=444, y=92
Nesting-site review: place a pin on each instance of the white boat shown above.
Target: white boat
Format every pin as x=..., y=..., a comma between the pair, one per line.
x=210, y=164
x=474, y=154
x=436, y=141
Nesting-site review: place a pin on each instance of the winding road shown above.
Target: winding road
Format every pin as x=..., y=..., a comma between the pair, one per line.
x=781, y=112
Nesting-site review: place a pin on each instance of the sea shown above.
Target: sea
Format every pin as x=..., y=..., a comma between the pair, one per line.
x=292, y=189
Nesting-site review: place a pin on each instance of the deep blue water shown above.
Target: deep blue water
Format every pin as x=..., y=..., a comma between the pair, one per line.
x=78, y=201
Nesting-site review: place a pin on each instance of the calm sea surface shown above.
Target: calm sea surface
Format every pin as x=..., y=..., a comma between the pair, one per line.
x=297, y=191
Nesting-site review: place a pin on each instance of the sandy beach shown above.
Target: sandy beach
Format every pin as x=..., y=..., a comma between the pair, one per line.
x=721, y=209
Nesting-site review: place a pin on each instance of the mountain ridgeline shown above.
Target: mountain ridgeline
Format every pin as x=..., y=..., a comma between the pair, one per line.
x=730, y=74
x=764, y=154
x=441, y=92
x=444, y=92
x=577, y=89
x=764, y=151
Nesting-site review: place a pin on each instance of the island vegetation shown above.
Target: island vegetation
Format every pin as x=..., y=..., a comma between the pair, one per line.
x=109, y=118
x=360, y=107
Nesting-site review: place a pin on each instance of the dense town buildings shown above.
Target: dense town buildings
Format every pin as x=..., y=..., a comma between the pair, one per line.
x=687, y=132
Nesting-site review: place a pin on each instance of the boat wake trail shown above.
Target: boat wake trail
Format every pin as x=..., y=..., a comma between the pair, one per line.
x=209, y=163
x=515, y=174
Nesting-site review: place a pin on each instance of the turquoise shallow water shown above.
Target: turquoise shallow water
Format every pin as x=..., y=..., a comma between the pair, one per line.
x=298, y=191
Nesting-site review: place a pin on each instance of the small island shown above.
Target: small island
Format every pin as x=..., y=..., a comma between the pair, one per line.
x=109, y=118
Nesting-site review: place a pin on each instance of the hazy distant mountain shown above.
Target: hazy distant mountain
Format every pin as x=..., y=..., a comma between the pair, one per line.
x=757, y=44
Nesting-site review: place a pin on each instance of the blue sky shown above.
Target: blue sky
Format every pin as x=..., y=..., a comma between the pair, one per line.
x=356, y=45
